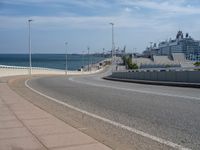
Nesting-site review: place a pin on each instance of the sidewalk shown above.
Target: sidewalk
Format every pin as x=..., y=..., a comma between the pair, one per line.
x=23, y=126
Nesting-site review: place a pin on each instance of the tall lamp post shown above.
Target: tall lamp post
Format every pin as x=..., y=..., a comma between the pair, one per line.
x=103, y=52
x=30, y=61
x=83, y=63
x=66, y=58
x=88, y=58
x=113, y=44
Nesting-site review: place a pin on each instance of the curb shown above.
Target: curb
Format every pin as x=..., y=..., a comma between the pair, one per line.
x=165, y=83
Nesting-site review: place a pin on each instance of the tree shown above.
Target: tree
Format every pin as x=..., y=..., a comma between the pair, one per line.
x=128, y=62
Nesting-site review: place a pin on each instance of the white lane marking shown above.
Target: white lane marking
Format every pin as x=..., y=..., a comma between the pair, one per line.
x=134, y=90
x=141, y=133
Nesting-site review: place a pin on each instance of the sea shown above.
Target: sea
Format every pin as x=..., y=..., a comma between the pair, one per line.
x=53, y=61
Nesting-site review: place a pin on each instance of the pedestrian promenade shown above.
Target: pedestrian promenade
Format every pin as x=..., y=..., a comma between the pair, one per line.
x=24, y=126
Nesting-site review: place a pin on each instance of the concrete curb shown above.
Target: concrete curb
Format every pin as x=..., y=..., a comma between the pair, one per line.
x=165, y=83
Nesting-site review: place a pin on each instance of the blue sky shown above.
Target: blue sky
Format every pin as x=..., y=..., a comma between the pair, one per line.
x=84, y=23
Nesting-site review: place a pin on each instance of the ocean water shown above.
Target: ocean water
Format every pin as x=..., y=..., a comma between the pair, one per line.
x=54, y=61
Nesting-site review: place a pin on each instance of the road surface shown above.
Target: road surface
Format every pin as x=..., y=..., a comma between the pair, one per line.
x=169, y=113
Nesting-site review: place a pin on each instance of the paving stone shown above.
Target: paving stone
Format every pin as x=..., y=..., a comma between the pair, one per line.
x=7, y=117
x=10, y=124
x=11, y=100
x=14, y=133
x=33, y=116
x=67, y=139
x=27, y=143
x=41, y=122
x=31, y=111
x=4, y=111
x=1, y=102
x=22, y=107
x=95, y=146
x=52, y=129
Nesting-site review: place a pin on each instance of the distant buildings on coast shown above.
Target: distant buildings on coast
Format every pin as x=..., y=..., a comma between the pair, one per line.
x=182, y=51
x=186, y=45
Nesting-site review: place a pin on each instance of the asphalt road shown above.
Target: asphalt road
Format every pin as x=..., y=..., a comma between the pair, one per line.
x=170, y=113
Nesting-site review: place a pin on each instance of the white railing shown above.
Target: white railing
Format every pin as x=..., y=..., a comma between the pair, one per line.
x=22, y=67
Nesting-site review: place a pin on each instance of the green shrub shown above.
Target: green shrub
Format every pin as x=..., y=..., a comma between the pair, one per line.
x=167, y=66
x=128, y=62
x=197, y=64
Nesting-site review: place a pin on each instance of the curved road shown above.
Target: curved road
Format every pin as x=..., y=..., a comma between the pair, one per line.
x=170, y=113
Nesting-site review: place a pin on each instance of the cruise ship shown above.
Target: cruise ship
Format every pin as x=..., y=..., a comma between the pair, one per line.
x=181, y=44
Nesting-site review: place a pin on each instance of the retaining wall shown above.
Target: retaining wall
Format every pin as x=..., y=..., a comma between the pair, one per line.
x=171, y=76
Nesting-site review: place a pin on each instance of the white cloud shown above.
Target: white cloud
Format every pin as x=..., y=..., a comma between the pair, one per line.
x=127, y=9
x=127, y=17
x=142, y=19
x=83, y=3
x=123, y=20
x=169, y=6
x=178, y=6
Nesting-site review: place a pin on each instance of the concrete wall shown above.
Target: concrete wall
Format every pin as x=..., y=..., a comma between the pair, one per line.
x=171, y=76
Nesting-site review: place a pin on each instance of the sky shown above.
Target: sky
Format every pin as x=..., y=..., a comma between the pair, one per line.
x=85, y=23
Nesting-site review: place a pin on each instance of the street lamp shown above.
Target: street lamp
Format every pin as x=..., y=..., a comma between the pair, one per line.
x=88, y=58
x=83, y=63
x=30, y=63
x=66, y=58
x=113, y=44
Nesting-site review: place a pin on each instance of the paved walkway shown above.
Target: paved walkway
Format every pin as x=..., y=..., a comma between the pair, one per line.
x=23, y=126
